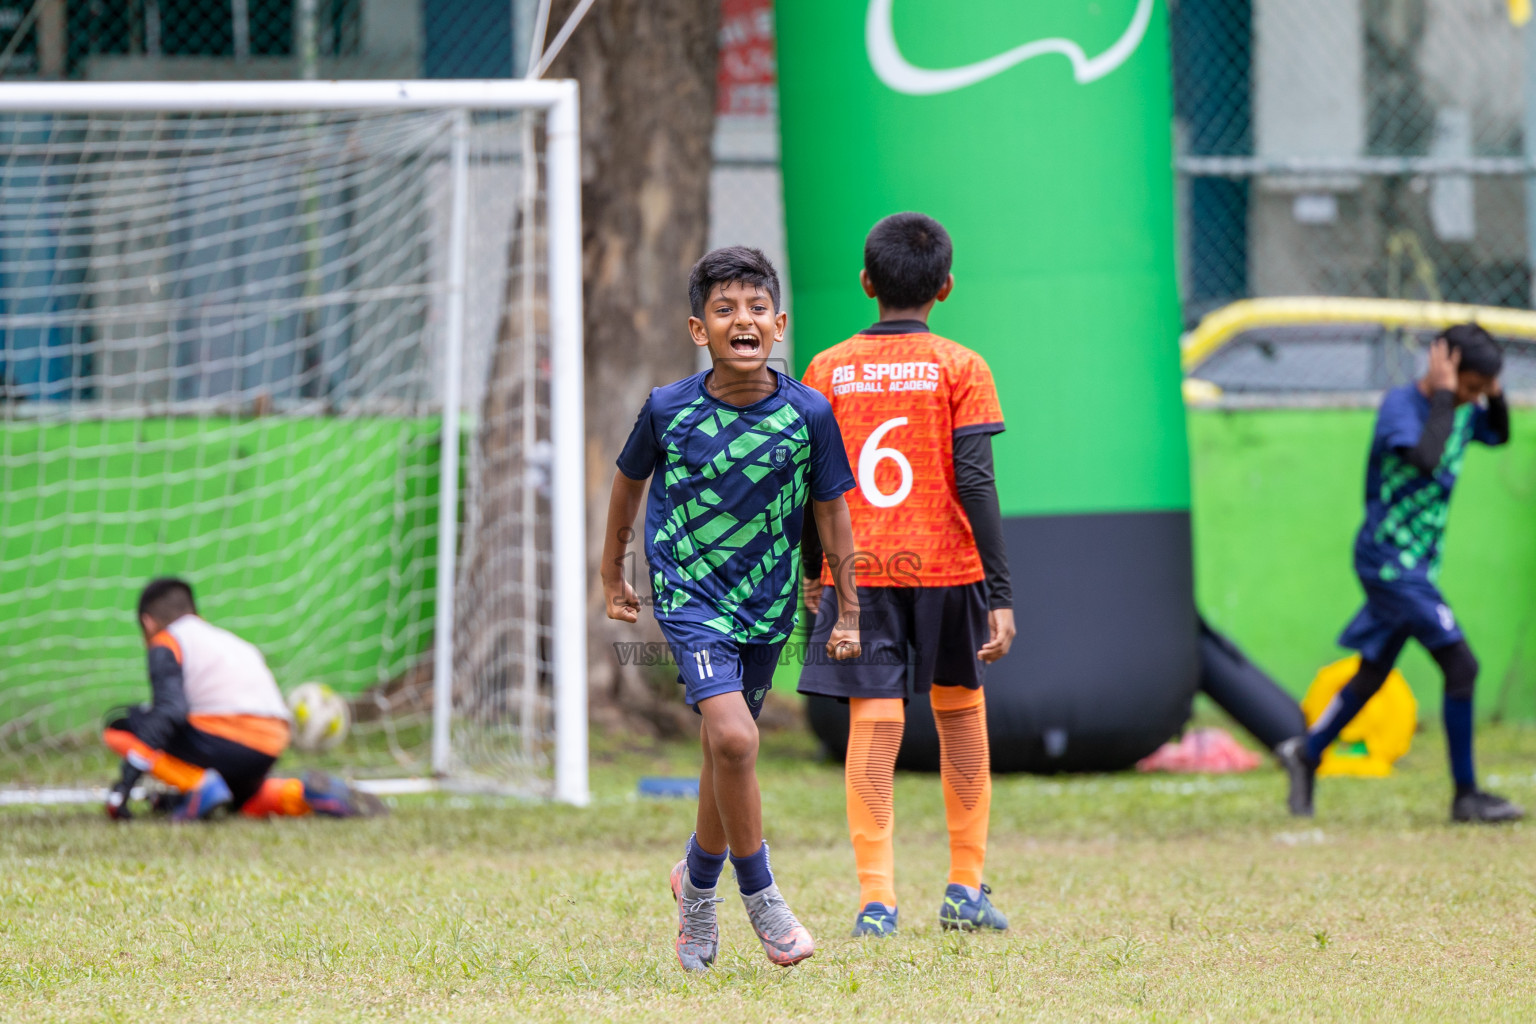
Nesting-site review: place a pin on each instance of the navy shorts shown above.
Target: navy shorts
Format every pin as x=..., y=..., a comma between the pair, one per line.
x=913, y=638
x=710, y=663
x=1395, y=611
x=243, y=768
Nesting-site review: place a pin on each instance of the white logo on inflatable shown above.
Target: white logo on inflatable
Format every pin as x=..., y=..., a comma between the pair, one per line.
x=894, y=70
x=871, y=455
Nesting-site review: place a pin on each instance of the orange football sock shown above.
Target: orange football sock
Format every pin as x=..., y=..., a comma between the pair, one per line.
x=277, y=798
x=966, y=770
x=170, y=770
x=874, y=736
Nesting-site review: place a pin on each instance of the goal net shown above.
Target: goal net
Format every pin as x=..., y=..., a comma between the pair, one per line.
x=315, y=348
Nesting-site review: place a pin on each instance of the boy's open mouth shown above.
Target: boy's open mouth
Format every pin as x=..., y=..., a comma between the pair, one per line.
x=745, y=344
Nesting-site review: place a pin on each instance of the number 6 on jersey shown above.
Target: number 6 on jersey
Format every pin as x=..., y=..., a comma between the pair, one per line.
x=871, y=455
x=901, y=396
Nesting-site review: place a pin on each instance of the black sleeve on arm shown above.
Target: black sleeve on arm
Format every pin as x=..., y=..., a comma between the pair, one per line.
x=1498, y=417
x=1437, y=430
x=169, y=709
x=976, y=480
x=810, y=546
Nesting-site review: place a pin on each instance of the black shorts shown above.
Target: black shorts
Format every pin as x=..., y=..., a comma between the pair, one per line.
x=914, y=638
x=244, y=768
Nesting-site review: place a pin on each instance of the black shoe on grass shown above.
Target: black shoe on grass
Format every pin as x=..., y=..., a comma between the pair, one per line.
x=162, y=801
x=1483, y=807
x=1301, y=772
x=117, y=803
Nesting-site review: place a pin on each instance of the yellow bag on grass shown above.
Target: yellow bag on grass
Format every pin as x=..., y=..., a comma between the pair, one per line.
x=1380, y=734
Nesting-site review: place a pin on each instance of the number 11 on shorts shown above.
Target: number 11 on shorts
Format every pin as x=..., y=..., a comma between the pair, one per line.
x=701, y=660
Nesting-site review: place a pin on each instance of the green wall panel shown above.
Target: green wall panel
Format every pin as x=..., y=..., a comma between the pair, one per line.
x=1277, y=499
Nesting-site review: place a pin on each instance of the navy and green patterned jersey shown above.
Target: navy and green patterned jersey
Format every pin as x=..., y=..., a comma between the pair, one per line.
x=729, y=486
x=1405, y=508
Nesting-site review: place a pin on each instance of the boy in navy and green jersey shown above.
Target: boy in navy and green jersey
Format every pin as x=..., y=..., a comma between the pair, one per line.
x=1421, y=437
x=733, y=456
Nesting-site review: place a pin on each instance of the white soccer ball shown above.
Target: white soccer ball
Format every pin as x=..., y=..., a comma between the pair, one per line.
x=320, y=717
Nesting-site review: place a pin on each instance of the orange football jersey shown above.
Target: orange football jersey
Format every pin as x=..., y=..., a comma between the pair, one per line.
x=900, y=400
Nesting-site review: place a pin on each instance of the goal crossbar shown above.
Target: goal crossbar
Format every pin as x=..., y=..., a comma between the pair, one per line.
x=553, y=95
x=558, y=100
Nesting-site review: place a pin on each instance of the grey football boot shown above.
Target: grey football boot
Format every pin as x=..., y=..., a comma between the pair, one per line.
x=784, y=939
x=698, y=931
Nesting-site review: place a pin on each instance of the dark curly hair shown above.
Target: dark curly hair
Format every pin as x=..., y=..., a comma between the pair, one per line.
x=167, y=599
x=1480, y=353
x=728, y=265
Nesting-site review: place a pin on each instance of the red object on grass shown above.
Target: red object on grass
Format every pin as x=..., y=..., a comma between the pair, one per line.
x=1207, y=751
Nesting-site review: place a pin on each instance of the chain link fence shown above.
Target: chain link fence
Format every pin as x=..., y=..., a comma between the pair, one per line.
x=1343, y=148
x=1361, y=148
x=221, y=40
x=746, y=188
x=1337, y=364
x=1369, y=148
x=183, y=40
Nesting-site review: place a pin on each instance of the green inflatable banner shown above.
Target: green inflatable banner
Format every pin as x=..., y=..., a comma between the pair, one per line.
x=1039, y=134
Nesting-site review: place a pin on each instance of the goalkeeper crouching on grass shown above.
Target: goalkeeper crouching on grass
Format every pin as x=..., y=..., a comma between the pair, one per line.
x=215, y=726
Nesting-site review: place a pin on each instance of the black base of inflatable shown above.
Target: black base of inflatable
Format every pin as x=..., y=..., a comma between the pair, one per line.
x=1106, y=663
x=1244, y=691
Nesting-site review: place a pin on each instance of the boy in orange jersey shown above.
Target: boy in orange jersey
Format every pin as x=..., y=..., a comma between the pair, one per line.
x=216, y=725
x=917, y=413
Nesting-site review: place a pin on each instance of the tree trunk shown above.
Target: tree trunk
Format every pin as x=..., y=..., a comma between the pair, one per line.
x=647, y=73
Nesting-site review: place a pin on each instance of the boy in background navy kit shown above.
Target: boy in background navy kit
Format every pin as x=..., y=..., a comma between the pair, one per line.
x=1421, y=437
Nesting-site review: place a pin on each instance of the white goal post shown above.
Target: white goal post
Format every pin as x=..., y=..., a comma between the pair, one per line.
x=552, y=579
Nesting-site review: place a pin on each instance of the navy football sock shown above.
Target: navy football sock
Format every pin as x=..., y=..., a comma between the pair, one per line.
x=1338, y=714
x=1458, y=738
x=752, y=871
x=703, y=868
x=1347, y=704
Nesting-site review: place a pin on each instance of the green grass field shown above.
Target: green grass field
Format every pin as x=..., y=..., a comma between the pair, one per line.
x=1132, y=898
